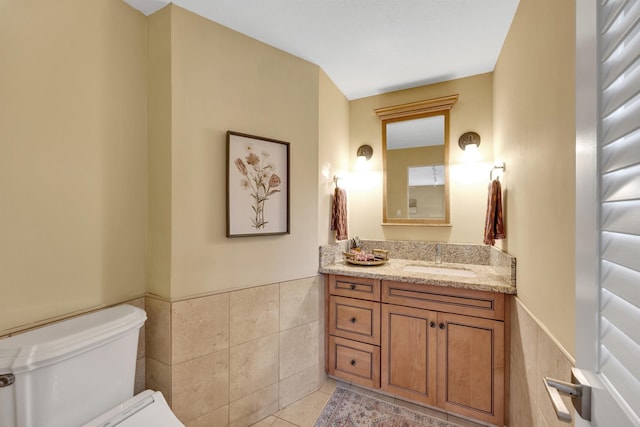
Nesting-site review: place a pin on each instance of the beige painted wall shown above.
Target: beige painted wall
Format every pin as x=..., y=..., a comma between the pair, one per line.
x=75, y=221
x=222, y=80
x=159, y=152
x=534, y=127
x=468, y=182
x=72, y=157
x=333, y=150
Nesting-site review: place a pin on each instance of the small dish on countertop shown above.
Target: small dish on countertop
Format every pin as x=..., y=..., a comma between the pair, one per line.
x=377, y=257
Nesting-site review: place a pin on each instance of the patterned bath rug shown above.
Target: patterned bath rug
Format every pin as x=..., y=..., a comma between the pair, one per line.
x=347, y=408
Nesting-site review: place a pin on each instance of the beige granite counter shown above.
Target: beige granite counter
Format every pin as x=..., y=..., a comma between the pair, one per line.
x=485, y=277
x=492, y=270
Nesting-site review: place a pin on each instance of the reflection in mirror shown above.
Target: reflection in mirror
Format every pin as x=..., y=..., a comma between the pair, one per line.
x=415, y=156
x=426, y=191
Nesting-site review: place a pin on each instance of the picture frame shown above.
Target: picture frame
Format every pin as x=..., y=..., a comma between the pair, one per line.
x=257, y=186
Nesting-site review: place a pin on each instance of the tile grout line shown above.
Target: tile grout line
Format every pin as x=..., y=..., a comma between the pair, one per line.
x=317, y=391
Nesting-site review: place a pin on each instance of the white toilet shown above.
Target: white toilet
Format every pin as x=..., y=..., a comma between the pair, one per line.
x=78, y=372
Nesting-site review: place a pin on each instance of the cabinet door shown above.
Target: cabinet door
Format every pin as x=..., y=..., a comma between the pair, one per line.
x=471, y=367
x=408, y=353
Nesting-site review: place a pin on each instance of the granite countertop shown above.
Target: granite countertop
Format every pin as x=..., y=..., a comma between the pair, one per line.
x=477, y=277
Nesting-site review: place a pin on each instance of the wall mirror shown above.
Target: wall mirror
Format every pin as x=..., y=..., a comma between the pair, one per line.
x=415, y=148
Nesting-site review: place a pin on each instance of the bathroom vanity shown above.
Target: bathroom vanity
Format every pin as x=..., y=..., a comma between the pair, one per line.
x=434, y=334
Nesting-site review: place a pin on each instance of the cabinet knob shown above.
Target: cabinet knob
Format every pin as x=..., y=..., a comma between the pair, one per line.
x=353, y=320
x=441, y=325
x=353, y=363
x=353, y=286
x=432, y=324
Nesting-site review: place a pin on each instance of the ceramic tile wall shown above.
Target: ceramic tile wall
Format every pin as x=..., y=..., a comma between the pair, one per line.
x=534, y=355
x=235, y=358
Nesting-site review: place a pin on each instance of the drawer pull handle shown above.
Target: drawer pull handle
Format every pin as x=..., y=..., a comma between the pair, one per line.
x=353, y=286
x=432, y=324
x=353, y=320
x=441, y=325
x=353, y=363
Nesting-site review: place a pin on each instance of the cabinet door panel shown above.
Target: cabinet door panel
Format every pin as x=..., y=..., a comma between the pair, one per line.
x=409, y=358
x=471, y=367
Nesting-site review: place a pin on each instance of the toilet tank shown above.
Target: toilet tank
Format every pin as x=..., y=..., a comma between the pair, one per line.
x=67, y=373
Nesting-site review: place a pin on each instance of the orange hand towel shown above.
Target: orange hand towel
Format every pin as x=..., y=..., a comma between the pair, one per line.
x=494, y=224
x=339, y=214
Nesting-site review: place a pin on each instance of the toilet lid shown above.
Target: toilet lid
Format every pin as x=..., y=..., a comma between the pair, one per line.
x=145, y=409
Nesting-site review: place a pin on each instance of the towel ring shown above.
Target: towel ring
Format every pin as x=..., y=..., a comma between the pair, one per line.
x=498, y=166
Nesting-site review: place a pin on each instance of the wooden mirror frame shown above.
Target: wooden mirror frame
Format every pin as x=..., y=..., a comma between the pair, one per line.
x=416, y=110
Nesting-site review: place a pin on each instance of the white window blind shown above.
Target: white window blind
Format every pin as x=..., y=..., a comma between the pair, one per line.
x=619, y=145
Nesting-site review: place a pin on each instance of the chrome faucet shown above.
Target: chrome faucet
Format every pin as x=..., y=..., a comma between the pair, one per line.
x=438, y=253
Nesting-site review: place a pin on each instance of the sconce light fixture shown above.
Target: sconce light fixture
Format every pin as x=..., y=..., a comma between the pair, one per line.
x=469, y=142
x=364, y=151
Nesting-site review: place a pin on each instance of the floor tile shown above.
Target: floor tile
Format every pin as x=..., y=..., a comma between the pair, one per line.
x=282, y=423
x=305, y=412
x=267, y=422
x=329, y=386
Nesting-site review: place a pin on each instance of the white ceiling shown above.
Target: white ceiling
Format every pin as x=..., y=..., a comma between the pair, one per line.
x=369, y=47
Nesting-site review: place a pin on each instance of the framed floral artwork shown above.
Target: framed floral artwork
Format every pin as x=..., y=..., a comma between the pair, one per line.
x=257, y=186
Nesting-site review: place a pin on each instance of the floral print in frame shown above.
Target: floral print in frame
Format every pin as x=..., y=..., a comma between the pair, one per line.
x=257, y=185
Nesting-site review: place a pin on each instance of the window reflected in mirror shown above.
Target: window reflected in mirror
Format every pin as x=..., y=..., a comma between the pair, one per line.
x=426, y=191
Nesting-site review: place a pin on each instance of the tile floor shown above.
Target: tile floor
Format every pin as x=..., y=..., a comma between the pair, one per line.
x=305, y=411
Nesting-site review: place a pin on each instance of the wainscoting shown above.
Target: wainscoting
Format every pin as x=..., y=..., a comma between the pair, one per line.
x=234, y=358
x=534, y=355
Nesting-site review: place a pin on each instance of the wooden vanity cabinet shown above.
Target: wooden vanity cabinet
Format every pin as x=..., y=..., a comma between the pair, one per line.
x=453, y=340
x=409, y=353
x=353, y=326
x=354, y=361
x=471, y=367
x=439, y=346
x=354, y=319
x=354, y=287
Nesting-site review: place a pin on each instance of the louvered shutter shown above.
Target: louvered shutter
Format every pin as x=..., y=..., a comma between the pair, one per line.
x=619, y=168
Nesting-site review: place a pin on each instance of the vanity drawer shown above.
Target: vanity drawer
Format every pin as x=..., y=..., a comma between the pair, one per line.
x=354, y=361
x=354, y=319
x=355, y=287
x=489, y=305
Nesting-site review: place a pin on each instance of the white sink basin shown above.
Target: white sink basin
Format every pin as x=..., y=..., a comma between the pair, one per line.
x=441, y=271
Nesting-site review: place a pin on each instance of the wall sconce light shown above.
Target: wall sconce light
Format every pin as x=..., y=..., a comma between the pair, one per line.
x=364, y=151
x=469, y=143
